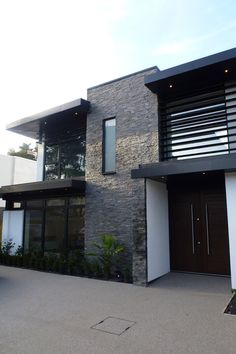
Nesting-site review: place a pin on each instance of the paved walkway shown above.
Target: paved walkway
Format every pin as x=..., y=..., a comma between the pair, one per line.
x=48, y=313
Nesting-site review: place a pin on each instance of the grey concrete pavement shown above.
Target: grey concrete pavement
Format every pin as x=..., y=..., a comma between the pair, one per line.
x=49, y=313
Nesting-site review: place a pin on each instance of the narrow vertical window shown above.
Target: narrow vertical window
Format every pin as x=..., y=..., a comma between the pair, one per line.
x=109, y=146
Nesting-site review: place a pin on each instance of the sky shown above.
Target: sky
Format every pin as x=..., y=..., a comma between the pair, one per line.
x=51, y=51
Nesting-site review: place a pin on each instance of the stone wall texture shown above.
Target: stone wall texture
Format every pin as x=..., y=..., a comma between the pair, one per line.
x=116, y=203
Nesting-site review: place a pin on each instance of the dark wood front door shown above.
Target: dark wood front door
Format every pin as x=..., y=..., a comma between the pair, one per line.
x=198, y=225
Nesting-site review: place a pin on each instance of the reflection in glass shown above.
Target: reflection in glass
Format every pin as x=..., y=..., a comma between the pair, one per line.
x=33, y=230
x=72, y=158
x=52, y=154
x=66, y=159
x=55, y=202
x=77, y=201
x=76, y=228
x=51, y=171
x=54, y=229
x=61, y=223
x=110, y=145
x=37, y=203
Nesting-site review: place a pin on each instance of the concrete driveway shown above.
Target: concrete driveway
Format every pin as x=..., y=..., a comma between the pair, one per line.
x=48, y=313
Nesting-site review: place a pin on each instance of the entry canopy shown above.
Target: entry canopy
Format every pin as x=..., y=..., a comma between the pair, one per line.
x=42, y=189
x=212, y=70
x=33, y=126
x=164, y=169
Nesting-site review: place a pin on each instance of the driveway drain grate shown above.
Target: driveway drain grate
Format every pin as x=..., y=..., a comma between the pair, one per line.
x=113, y=325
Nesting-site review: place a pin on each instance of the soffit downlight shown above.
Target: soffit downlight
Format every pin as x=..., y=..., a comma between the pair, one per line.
x=32, y=126
x=44, y=188
x=211, y=71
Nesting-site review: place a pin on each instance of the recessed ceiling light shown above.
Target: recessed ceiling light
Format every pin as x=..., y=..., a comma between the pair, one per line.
x=203, y=173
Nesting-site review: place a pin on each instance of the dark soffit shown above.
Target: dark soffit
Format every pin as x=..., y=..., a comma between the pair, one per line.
x=74, y=184
x=31, y=126
x=163, y=169
x=194, y=75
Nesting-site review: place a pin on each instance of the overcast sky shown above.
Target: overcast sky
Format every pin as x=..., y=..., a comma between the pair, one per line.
x=52, y=51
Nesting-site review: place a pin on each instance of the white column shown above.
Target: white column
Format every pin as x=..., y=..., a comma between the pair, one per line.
x=158, y=255
x=230, y=186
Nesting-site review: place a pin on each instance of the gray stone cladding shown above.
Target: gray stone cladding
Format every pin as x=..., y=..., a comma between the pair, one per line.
x=116, y=203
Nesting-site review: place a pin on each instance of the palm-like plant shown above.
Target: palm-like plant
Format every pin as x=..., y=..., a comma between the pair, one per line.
x=108, y=250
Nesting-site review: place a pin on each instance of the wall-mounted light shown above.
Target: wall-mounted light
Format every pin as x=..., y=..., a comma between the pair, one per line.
x=226, y=71
x=170, y=86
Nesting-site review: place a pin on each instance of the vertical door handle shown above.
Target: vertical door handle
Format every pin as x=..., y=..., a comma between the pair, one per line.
x=207, y=230
x=192, y=226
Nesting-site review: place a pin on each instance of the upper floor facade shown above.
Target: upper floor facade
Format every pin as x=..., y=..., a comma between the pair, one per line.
x=185, y=112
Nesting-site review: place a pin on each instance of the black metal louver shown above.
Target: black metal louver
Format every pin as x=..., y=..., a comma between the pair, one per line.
x=199, y=125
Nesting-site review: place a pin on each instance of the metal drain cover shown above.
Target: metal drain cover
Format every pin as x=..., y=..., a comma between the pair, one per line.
x=113, y=325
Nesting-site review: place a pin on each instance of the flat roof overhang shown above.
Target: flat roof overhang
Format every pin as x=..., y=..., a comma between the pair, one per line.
x=32, y=126
x=42, y=189
x=212, y=70
x=164, y=169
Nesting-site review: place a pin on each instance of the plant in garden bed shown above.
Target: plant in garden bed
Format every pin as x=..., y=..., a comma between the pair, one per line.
x=75, y=262
x=108, y=251
x=6, y=248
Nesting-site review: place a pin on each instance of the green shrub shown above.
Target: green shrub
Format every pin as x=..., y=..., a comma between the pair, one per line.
x=108, y=250
x=6, y=247
x=19, y=251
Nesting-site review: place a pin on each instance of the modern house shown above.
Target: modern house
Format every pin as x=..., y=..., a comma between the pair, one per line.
x=14, y=170
x=149, y=157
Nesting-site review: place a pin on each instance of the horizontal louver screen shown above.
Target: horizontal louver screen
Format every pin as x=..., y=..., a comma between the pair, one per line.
x=201, y=125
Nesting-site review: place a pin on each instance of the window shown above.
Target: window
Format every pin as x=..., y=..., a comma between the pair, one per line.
x=54, y=228
x=109, y=145
x=198, y=125
x=53, y=225
x=65, y=159
x=33, y=230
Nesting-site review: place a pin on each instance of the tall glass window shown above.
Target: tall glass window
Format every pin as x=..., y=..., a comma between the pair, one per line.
x=109, y=146
x=55, y=224
x=65, y=159
x=33, y=230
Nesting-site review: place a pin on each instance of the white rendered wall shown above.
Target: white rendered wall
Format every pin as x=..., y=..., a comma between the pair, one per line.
x=230, y=185
x=7, y=170
x=12, y=227
x=158, y=254
x=40, y=160
x=24, y=171
x=15, y=170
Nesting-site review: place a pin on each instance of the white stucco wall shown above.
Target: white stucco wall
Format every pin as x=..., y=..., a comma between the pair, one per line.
x=158, y=255
x=12, y=227
x=24, y=171
x=15, y=170
x=230, y=185
x=7, y=170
